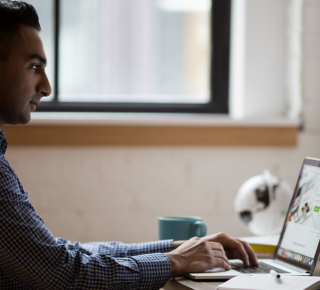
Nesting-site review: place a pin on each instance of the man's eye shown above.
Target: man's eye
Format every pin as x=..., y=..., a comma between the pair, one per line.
x=35, y=66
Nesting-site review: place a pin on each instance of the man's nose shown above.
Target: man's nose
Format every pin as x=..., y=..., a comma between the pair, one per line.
x=44, y=87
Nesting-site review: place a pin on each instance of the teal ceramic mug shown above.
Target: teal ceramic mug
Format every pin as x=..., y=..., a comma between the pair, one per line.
x=181, y=228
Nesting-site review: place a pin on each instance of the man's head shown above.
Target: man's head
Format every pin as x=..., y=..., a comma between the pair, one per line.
x=13, y=14
x=23, y=81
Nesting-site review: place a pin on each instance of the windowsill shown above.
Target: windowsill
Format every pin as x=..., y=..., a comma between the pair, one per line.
x=154, y=119
x=149, y=129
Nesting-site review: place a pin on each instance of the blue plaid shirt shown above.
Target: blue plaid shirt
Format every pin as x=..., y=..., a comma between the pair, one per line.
x=31, y=258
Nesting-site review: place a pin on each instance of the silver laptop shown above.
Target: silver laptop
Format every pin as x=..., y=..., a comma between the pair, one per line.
x=298, y=248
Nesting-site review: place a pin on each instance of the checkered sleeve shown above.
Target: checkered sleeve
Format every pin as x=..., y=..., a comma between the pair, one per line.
x=117, y=249
x=31, y=258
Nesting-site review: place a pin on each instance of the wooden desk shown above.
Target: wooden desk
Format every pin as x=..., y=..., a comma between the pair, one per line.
x=188, y=284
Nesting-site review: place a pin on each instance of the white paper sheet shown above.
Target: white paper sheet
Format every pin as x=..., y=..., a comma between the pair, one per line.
x=267, y=282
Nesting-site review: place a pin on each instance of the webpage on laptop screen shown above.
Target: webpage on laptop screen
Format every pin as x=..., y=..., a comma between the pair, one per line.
x=301, y=238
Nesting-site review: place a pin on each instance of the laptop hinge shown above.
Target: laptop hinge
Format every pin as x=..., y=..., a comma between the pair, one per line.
x=294, y=268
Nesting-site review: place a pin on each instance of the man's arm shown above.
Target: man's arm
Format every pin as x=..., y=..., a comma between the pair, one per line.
x=118, y=249
x=195, y=255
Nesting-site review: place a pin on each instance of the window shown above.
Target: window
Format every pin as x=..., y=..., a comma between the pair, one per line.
x=136, y=56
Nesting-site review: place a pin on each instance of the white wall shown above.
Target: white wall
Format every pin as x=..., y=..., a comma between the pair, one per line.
x=117, y=193
x=266, y=34
x=259, y=57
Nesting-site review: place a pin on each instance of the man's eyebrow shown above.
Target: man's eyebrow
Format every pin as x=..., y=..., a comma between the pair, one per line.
x=39, y=57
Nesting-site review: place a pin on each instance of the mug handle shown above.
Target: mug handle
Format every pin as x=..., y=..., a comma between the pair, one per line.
x=199, y=229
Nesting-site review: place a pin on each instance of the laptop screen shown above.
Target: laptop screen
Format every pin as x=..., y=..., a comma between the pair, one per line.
x=299, y=240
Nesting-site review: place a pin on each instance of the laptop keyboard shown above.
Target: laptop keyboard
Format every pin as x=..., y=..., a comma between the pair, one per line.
x=262, y=269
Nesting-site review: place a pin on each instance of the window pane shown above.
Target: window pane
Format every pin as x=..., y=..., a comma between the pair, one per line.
x=45, y=11
x=135, y=51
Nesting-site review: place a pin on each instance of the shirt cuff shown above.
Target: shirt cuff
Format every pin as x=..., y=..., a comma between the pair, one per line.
x=155, y=270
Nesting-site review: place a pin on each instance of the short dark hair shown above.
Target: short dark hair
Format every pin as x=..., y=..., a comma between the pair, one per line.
x=13, y=14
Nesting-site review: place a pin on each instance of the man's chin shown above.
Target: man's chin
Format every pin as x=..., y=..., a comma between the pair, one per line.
x=14, y=119
x=24, y=120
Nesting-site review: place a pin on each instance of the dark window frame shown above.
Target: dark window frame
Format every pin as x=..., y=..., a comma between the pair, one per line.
x=219, y=75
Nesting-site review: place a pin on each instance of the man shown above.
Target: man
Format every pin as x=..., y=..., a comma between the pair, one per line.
x=30, y=257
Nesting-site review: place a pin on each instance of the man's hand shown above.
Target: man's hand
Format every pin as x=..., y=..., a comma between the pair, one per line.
x=234, y=248
x=196, y=255
x=214, y=252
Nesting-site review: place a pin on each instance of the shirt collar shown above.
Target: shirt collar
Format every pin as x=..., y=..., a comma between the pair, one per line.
x=3, y=143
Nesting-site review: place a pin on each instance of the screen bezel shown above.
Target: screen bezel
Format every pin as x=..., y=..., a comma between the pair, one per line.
x=307, y=161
